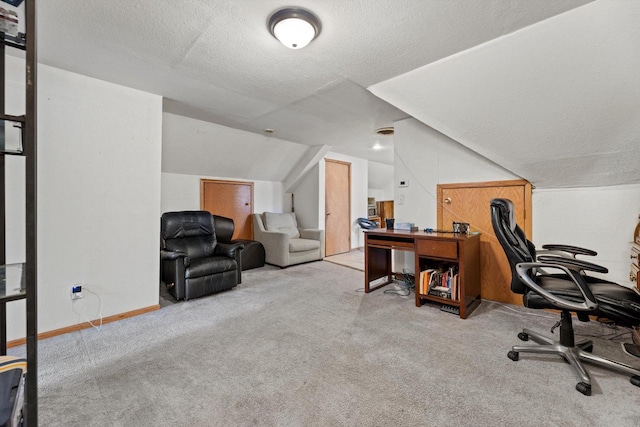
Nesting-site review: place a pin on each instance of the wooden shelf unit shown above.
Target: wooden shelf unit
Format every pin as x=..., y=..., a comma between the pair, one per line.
x=19, y=281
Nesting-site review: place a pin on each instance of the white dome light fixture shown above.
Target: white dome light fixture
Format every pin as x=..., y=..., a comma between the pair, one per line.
x=294, y=27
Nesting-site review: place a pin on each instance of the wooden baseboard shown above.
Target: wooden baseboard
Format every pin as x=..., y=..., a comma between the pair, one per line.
x=85, y=325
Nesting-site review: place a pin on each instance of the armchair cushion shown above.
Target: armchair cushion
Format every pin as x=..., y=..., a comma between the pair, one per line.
x=283, y=223
x=301, y=245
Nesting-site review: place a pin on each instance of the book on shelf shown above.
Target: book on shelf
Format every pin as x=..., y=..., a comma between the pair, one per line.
x=424, y=280
x=443, y=283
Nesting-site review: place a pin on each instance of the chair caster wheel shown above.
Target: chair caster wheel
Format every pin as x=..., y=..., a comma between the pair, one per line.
x=584, y=388
x=513, y=355
x=523, y=336
x=635, y=380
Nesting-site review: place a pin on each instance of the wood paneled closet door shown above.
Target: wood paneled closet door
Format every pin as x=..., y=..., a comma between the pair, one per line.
x=232, y=199
x=337, y=207
x=470, y=202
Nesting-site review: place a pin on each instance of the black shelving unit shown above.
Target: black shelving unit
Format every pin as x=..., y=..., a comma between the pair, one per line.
x=19, y=281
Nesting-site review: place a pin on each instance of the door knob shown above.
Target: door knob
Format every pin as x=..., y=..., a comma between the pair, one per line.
x=448, y=200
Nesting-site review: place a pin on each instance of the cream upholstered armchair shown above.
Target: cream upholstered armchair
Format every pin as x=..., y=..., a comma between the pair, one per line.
x=285, y=244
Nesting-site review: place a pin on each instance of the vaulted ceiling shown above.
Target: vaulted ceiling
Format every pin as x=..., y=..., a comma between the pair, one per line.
x=557, y=103
x=511, y=79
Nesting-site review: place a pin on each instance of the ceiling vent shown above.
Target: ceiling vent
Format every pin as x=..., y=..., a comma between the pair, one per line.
x=386, y=131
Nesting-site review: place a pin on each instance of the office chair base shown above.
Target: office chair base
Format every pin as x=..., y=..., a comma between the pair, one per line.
x=574, y=355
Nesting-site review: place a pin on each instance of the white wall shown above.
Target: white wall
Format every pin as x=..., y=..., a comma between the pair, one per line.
x=309, y=198
x=380, y=181
x=182, y=192
x=99, y=149
x=601, y=218
x=216, y=150
x=598, y=218
x=425, y=158
x=310, y=195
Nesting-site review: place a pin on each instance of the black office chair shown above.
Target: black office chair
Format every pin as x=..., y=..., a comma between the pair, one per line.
x=367, y=224
x=569, y=289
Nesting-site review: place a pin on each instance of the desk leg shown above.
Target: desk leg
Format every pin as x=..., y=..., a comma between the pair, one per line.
x=377, y=264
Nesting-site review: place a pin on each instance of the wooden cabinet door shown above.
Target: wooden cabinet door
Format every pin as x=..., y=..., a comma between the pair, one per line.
x=337, y=207
x=470, y=202
x=232, y=199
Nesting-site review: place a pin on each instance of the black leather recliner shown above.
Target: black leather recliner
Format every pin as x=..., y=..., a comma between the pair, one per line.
x=253, y=254
x=194, y=262
x=558, y=280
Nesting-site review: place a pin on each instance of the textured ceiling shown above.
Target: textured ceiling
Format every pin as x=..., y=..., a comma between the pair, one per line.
x=557, y=103
x=215, y=60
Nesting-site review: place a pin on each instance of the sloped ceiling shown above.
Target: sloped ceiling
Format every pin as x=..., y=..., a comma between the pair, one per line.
x=215, y=60
x=233, y=154
x=557, y=103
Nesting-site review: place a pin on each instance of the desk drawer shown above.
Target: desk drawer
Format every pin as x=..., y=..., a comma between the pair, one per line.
x=438, y=249
x=395, y=243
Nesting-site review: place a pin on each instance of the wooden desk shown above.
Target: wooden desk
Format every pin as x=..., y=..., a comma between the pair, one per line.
x=431, y=250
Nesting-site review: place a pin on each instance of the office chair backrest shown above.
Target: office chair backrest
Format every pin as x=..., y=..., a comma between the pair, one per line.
x=192, y=232
x=512, y=239
x=367, y=224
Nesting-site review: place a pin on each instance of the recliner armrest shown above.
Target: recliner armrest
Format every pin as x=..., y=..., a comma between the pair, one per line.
x=589, y=303
x=167, y=255
x=228, y=249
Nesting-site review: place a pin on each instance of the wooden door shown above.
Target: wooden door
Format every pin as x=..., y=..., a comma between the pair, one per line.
x=470, y=203
x=233, y=199
x=385, y=211
x=337, y=207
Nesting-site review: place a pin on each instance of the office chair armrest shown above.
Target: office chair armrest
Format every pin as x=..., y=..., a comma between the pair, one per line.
x=589, y=302
x=228, y=249
x=581, y=264
x=573, y=250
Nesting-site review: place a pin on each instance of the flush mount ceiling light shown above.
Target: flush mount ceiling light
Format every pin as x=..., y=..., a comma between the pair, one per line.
x=294, y=27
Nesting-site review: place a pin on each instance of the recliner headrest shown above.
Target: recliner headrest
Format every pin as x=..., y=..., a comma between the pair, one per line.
x=176, y=225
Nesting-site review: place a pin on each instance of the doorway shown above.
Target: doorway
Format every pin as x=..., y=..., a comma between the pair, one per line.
x=337, y=207
x=469, y=202
x=232, y=199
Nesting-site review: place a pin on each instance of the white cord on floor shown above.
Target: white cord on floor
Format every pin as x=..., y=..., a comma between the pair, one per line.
x=84, y=312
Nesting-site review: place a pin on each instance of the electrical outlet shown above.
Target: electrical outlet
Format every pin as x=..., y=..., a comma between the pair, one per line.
x=76, y=292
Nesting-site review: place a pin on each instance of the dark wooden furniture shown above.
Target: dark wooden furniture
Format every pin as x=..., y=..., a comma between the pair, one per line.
x=430, y=249
x=385, y=211
x=19, y=281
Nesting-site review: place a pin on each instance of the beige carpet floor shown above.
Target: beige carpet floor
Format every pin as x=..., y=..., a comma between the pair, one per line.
x=304, y=346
